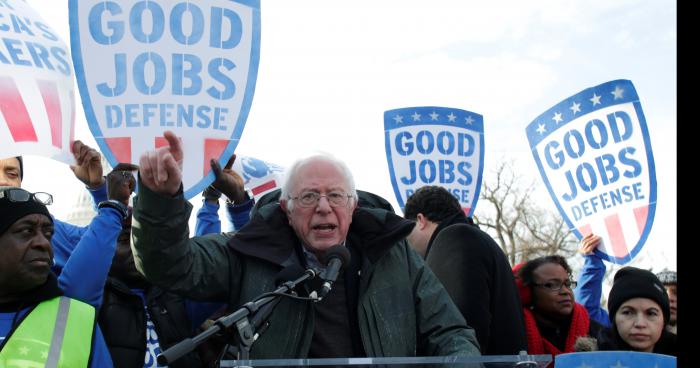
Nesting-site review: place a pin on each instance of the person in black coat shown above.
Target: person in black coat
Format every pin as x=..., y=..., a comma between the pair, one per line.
x=471, y=266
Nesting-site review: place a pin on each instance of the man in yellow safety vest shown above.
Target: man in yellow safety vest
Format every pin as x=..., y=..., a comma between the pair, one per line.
x=38, y=325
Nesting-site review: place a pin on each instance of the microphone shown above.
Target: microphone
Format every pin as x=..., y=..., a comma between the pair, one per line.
x=336, y=258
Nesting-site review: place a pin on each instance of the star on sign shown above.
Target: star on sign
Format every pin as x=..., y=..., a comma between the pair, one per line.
x=434, y=116
x=469, y=120
x=618, y=365
x=575, y=107
x=595, y=99
x=24, y=350
x=416, y=116
x=398, y=119
x=617, y=93
x=451, y=117
x=540, y=129
x=584, y=365
x=557, y=117
x=44, y=354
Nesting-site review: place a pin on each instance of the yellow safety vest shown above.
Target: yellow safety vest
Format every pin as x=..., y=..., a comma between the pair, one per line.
x=57, y=333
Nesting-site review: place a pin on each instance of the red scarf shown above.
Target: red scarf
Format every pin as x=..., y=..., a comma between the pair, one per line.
x=536, y=344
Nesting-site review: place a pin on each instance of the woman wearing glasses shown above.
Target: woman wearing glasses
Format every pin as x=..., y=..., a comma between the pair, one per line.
x=553, y=320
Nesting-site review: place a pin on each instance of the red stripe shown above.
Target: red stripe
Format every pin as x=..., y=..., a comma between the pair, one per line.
x=585, y=230
x=15, y=112
x=49, y=93
x=121, y=148
x=161, y=142
x=617, y=238
x=213, y=149
x=264, y=187
x=466, y=210
x=640, y=214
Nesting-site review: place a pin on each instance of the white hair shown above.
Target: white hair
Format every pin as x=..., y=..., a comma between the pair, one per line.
x=293, y=172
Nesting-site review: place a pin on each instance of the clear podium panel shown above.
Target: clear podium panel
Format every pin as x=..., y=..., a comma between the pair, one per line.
x=484, y=361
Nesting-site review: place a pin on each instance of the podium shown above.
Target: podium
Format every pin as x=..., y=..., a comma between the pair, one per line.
x=484, y=361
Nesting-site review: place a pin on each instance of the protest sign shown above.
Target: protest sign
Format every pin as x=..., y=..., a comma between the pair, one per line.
x=433, y=145
x=37, y=98
x=614, y=359
x=144, y=67
x=594, y=155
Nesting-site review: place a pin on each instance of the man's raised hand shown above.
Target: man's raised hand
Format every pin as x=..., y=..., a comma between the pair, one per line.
x=228, y=181
x=161, y=169
x=88, y=166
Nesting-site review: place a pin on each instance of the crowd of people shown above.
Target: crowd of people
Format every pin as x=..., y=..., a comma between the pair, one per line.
x=135, y=281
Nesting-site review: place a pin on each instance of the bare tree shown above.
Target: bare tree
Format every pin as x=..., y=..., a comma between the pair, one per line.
x=522, y=228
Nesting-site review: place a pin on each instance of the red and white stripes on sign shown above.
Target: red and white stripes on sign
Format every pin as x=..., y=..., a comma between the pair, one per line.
x=123, y=150
x=18, y=117
x=620, y=231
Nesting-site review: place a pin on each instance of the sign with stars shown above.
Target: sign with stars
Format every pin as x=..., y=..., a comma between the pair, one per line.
x=594, y=155
x=614, y=359
x=433, y=145
x=144, y=67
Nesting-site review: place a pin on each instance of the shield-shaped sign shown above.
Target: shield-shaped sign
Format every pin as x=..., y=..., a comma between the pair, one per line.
x=432, y=145
x=144, y=67
x=37, y=98
x=594, y=155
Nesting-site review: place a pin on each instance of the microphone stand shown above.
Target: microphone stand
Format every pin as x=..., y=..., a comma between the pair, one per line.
x=246, y=335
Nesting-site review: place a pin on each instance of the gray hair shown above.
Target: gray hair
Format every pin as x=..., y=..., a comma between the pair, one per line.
x=293, y=172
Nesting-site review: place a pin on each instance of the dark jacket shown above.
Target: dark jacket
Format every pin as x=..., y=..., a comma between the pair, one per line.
x=478, y=277
x=403, y=310
x=610, y=340
x=122, y=319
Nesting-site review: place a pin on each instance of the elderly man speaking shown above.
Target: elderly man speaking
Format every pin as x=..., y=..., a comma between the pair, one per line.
x=385, y=303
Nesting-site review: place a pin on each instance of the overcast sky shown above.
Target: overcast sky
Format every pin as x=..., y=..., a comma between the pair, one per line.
x=329, y=69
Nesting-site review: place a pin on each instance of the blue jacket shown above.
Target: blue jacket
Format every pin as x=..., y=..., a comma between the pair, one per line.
x=85, y=272
x=66, y=236
x=589, y=290
x=208, y=217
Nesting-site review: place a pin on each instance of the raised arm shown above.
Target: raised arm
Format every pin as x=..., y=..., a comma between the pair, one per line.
x=589, y=290
x=197, y=268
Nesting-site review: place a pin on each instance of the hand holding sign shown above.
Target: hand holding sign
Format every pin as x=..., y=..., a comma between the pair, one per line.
x=161, y=169
x=228, y=181
x=589, y=243
x=88, y=167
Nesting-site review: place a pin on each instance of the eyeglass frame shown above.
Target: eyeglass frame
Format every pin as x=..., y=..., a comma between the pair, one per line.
x=571, y=285
x=32, y=196
x=318, y=199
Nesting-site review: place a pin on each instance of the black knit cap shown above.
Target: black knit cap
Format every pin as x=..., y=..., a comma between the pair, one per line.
x=10, y=211
x=632, y=282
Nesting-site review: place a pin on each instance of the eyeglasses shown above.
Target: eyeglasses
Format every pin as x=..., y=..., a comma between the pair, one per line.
x=556, y=285
x=310, y=199
x=21, y=195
